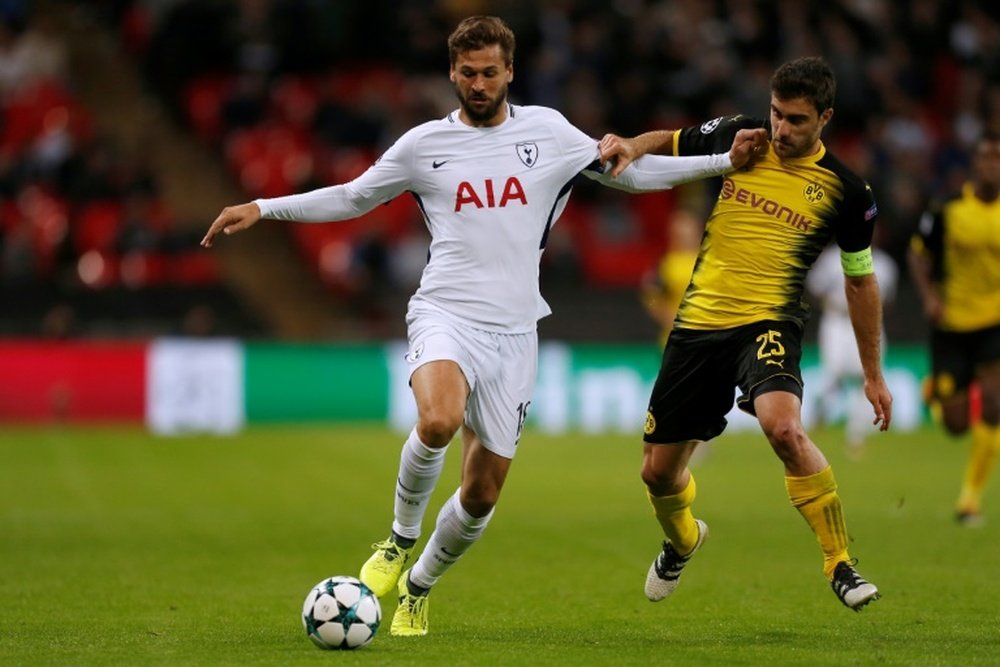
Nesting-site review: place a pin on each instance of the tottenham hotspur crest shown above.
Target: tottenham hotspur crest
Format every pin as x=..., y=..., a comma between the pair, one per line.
x=527, y=151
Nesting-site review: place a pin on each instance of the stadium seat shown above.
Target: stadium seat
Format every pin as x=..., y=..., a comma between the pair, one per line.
x=28, y=113
x=294, y=100
x=203, y=100
x=47, y=215
x=96, y=226
x=270, y=160
x=144, y=269
x=193, y=269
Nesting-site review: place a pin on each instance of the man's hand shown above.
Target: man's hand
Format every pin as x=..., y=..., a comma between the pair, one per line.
x=748, y=146
x=878, y=395
x=232, y=219
x=618, y=150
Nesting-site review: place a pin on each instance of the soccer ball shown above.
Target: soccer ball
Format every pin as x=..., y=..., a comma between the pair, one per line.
x=341, y=613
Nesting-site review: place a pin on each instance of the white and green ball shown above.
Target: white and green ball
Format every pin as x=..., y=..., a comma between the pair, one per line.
x=341, y=613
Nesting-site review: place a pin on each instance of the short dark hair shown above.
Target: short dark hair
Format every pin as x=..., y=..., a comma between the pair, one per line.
x=478, y=32
x=811, y=78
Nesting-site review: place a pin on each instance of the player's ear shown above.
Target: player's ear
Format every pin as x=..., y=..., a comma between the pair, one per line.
x=510, y=72
x=825, y=117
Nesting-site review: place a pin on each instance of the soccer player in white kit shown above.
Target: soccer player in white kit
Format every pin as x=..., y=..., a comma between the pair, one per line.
x=840, y=362
x=490, y=178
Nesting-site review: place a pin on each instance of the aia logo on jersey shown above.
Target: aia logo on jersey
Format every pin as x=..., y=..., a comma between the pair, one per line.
x=813, y=193
x=527, y=151
x=489, y=194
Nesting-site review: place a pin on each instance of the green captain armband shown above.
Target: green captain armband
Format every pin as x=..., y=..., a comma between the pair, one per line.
x=857, y=263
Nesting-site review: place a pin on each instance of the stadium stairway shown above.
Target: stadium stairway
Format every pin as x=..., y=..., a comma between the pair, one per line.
x=262, y=267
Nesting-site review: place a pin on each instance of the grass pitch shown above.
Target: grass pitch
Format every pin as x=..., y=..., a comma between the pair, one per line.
x=120, y=548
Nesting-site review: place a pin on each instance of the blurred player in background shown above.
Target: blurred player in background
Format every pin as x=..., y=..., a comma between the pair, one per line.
x=840, y=364
x=955, y=262
x=490, y=179
x=740, y=322
x=663, y=288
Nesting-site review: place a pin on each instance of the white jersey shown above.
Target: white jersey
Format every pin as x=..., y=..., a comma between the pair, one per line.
x=489, y=196
x=826, y=279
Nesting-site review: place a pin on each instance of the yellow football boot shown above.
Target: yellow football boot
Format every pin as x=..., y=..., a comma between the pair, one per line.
x=410, y=619
x=381, y=572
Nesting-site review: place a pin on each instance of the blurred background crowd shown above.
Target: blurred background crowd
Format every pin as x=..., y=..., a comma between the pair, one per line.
x=125, y=125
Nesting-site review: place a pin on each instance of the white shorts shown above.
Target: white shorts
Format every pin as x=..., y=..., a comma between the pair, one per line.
x=500, y=370
x=838, y=349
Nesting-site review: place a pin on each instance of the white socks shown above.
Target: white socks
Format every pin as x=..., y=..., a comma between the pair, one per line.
x=419, y=469
x=456, y=531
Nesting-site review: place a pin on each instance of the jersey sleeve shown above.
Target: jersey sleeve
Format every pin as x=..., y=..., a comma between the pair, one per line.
x=857, y=215
x=578, y=149
x=928, y=240
x=662, y=172
x=379, y=184
x=929, y=236
x=713, y=136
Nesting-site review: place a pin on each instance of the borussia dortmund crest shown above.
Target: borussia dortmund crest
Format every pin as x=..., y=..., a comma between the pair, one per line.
x=650, y=424
x=527, y=151
x=813, y=193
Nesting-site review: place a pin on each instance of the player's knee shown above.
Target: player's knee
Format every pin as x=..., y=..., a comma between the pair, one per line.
x=786, y=436
x=479, y=500
x=659, y=482
x=437, y=428
x=955, y=416
x=955, y=423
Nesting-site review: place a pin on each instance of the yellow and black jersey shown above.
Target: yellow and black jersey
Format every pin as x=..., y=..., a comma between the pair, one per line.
x=673, y=274
x=961, y=235
x=769, y=224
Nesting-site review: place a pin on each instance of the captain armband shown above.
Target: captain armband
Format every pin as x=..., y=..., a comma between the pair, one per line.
x=857, y=263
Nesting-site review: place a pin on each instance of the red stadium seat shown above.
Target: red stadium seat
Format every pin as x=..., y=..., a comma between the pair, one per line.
x=270, y=160
x=203, y=99
x=47, y=215
x=38, y=108
x=294, y=101
x=96, y=226
x=193, y=269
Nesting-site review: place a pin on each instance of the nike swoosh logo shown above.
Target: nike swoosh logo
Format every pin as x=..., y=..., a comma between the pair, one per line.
x=448, y=553
x=437, y=164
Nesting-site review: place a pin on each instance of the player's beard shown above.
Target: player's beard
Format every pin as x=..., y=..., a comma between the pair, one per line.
x=794, y=147
x=786, y=149
x=482, y=114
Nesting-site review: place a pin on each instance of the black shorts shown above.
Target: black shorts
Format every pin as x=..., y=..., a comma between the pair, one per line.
x=957, y=356
x=701, y=369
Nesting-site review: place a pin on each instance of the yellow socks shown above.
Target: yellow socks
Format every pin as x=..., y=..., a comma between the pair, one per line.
x=674, y=515
x=816, y=499
x=985, y=443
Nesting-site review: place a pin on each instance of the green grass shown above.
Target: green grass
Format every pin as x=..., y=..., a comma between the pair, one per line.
x=119, y=548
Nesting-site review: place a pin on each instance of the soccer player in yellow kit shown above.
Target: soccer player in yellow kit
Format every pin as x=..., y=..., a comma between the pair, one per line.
x=955, y=262
x=662, y=291
x=740, y=322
